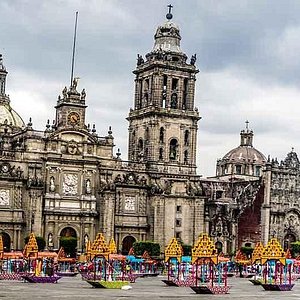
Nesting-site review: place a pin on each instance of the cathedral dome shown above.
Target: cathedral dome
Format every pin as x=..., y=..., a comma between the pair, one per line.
x=9, y=116
x=244, y=160
x=245, y=154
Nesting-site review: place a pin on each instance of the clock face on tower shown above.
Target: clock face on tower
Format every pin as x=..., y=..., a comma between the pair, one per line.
x=73, y=118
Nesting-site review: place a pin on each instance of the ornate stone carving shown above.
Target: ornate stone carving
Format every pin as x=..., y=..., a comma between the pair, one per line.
x=4, y=197
x=129, y=203
x=70, y=184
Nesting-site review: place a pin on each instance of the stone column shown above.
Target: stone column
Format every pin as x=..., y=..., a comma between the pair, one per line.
x=266, y=207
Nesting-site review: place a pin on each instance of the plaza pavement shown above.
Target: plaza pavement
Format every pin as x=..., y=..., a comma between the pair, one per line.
x=143, y=289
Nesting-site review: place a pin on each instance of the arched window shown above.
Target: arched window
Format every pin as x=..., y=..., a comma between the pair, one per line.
x=147, y=135
x=186, y=137
x=174, y=100
x=186, y=158
x=161, y=135
x=173, y=149
x=164, y=91
x=161, y=153
x=140, y=145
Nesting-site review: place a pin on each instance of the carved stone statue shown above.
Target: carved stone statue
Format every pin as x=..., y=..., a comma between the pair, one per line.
x=140, y=60
x=64, y=92
x=74, y=83
x=193, y=59
x=88, y=189
x=83, y=94
x=52, y=185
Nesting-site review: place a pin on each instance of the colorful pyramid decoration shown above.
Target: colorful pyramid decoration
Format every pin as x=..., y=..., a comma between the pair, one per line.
x=112, y=246
x=31, y=248
x=273, y=251
x=99, y=247
x=173, y=250
x=257, y=252
x=204, y=248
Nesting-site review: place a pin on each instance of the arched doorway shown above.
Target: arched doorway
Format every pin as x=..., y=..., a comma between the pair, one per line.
x=6, y=241
x=68, y=240
x=288, y=239
x=219, y=247
x=68, y=232
x=127, y=244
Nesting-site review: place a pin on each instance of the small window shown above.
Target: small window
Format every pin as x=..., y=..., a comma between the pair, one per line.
x=178, y=222
x=161, y=153
x=174, y=83
x=238, y=169
x=178, y=209
x=257, y=171
x=161, y=135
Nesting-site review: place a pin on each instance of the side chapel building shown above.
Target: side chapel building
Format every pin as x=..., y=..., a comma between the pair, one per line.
x=66, y=181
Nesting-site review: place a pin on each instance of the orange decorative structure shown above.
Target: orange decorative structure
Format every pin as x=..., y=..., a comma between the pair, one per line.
x=204, y=248
x=241, y=258
x=112, y=247
x=1, y=247
x=257, y=252
x=288, y=254
x=276, y=272
x=173, y=250
x=31, y=248
x=99, y=247
x=213, y=275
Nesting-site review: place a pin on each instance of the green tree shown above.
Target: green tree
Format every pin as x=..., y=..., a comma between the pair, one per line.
x=41, y=243
x=69, y=244
x=152, y=248
x=295, y=248
x=247, y=251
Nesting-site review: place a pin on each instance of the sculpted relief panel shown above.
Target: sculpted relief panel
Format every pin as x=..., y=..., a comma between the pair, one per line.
x=4, y=197
x=70, y=184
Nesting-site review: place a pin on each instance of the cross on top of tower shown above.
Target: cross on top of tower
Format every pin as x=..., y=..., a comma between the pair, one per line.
x=169, y=15
x=247, y=125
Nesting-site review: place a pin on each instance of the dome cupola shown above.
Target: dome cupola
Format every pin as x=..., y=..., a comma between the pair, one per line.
x=243, y=160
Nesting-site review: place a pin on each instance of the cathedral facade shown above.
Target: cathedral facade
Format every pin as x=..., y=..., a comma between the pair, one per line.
x=66, y=181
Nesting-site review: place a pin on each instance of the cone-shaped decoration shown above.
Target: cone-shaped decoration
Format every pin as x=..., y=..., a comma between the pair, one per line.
x=204, y=248
x=173, y=250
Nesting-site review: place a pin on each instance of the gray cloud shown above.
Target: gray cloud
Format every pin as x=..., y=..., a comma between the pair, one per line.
x=247, y=54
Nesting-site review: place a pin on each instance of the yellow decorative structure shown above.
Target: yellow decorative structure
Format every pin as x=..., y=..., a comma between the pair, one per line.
x=257, y=252
x=99, y=247
x=204, y=248
x=31, y=248
x=1, y=247
x=173, y=250
x=273, y=251
x=112, y=246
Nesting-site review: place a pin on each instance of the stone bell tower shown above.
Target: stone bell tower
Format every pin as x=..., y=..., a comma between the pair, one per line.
x=163, y=122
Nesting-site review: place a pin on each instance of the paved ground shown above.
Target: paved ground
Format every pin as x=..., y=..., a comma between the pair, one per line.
x=143, y=289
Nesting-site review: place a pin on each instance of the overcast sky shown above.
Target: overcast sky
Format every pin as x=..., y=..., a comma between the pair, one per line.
x=247, y=54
